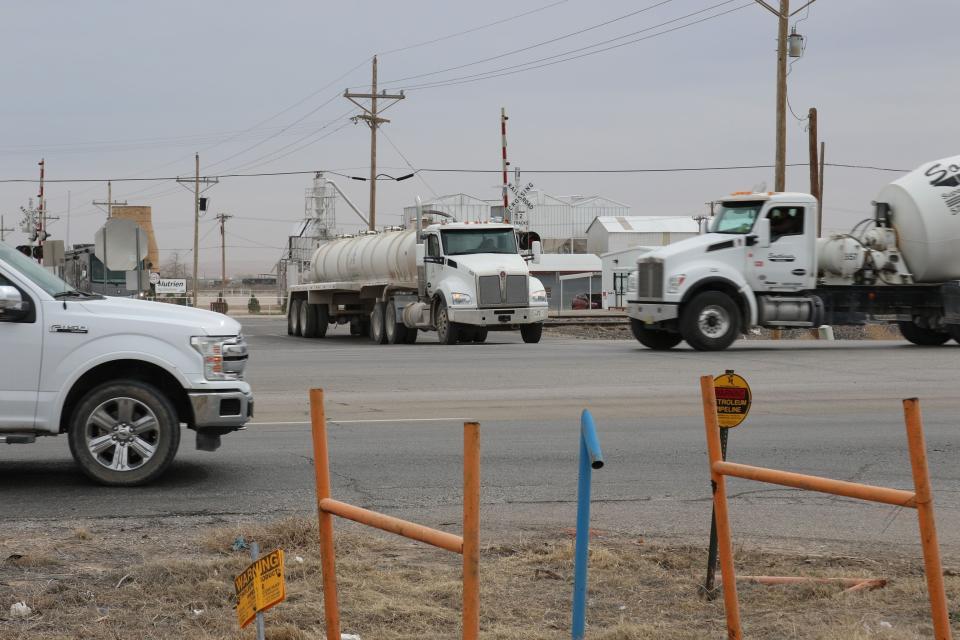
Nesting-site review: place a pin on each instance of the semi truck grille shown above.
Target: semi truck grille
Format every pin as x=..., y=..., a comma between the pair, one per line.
x=650, y=280
x=517, y=291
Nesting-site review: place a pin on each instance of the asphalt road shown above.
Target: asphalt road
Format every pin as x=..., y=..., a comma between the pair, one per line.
x=831, y=409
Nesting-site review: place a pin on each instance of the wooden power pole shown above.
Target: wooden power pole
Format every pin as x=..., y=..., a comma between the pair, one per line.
x=223, y=217
x=196, y=181
x=371, y=116
x=814, y=164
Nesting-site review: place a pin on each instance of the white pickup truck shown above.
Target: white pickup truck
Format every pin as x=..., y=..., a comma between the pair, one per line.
x=118, y=376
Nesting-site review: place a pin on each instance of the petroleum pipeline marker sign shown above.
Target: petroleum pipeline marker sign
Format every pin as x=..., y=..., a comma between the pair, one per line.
x=733, y=399
x=259, y=587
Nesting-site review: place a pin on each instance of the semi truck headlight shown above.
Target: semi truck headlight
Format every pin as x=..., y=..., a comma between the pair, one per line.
x=675, y=282
x=224, y=357
x=539, y=296
x=461, y=298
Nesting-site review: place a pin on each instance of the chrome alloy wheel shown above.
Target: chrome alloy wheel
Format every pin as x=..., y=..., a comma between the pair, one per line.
x=122, y=434
x=713, y=321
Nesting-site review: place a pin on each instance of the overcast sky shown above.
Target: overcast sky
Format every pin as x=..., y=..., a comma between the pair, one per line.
x=116, y=89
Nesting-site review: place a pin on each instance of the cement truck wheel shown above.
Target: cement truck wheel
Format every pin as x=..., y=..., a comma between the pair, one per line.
x=656, y=339
x=531, y=333
x=293, y=318
x=480, y=334
x=921, y=335
x=447, y=332
x=396, y=332
x=378, y=334
x=711, y=322
x=308, y=320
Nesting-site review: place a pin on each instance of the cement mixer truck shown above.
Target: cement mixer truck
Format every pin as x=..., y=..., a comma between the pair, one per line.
x=761, y=264
x=460, y=279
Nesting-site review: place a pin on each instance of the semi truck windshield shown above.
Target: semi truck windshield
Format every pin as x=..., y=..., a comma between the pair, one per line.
x=736, y=217
x=464, y=241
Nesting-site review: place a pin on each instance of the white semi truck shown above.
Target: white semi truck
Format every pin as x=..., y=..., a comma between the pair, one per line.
x=459, y=279
x=761, y=264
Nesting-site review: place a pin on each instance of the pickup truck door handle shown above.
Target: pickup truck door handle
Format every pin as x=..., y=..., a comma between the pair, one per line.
x=799, y=272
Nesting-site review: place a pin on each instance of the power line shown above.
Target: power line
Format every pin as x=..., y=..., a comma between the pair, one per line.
x=536, y=45
x=460, y=170
x=514, y=69
x=474, y=29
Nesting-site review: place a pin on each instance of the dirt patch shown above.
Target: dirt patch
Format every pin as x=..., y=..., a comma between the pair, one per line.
x=171, y=579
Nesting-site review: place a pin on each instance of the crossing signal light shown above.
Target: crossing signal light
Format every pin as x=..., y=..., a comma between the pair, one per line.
x=38, y=252
x=25, y=250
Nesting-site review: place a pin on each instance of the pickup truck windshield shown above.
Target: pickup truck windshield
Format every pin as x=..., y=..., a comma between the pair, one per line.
x=463, y=241
x=29, y=269
x=736, y=217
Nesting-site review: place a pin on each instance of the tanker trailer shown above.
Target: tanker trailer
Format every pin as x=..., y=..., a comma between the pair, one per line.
x=760, y=264
x=461, y=280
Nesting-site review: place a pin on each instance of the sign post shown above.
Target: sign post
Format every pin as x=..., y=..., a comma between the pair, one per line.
x=733, y=404
x=259, y=587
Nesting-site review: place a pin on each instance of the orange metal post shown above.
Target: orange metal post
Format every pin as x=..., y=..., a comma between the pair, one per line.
x=471, y=530
x=928, y=529
x=895, y=497
x=442, y=539
x=730, y=603
x=321, y=464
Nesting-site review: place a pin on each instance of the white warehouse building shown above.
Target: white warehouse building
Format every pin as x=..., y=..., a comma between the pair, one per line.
x=613, y=233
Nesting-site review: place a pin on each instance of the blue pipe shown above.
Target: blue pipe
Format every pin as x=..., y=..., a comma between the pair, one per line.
x=591, y=457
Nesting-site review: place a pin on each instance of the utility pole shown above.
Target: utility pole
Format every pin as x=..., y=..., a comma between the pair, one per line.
x=814, y=165
x=371, y=116
x=503, y=159
x=197, y=181
x=223, y=217
x=783, y=17
x=823, y=154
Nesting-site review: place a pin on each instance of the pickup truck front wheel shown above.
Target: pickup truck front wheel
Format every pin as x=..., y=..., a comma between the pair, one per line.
x=710, y=321
x=124, y=434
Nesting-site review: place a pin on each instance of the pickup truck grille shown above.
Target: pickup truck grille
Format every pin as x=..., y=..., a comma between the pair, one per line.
x=650, y=280
x=517, y=291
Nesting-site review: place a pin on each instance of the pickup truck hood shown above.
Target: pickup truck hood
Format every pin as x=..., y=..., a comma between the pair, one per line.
x=484, y=264
x=198, y=320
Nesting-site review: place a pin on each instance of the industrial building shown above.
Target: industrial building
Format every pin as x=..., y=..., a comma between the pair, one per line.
x=614, y=233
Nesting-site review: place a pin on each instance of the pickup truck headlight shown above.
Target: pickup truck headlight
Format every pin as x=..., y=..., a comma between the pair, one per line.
x=460, y=298
x=224, y=357
x=539, y=297
x=675, y=282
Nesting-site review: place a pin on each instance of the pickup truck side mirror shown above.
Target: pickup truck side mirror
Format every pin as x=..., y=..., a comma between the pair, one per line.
x=12, y=305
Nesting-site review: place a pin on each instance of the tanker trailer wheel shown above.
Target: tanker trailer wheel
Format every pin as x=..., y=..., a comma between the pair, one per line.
x=396, y=332
x=308, y=320
x=378, y=334
x=921, y=335
x=531, y=332
x=447, y=332
x=656, y=339
x=411, y=337
x=711, y=321
x=323, y=320
x=293, y=317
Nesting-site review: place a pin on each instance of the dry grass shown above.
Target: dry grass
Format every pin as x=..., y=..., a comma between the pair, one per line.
x=162, y=580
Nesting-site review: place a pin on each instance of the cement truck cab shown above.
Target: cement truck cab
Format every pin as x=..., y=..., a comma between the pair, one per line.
x=460, y=279
x=760, y=264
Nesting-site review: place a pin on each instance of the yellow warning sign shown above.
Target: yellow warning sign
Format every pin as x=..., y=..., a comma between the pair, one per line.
x=260, y=586
x=733, y=399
